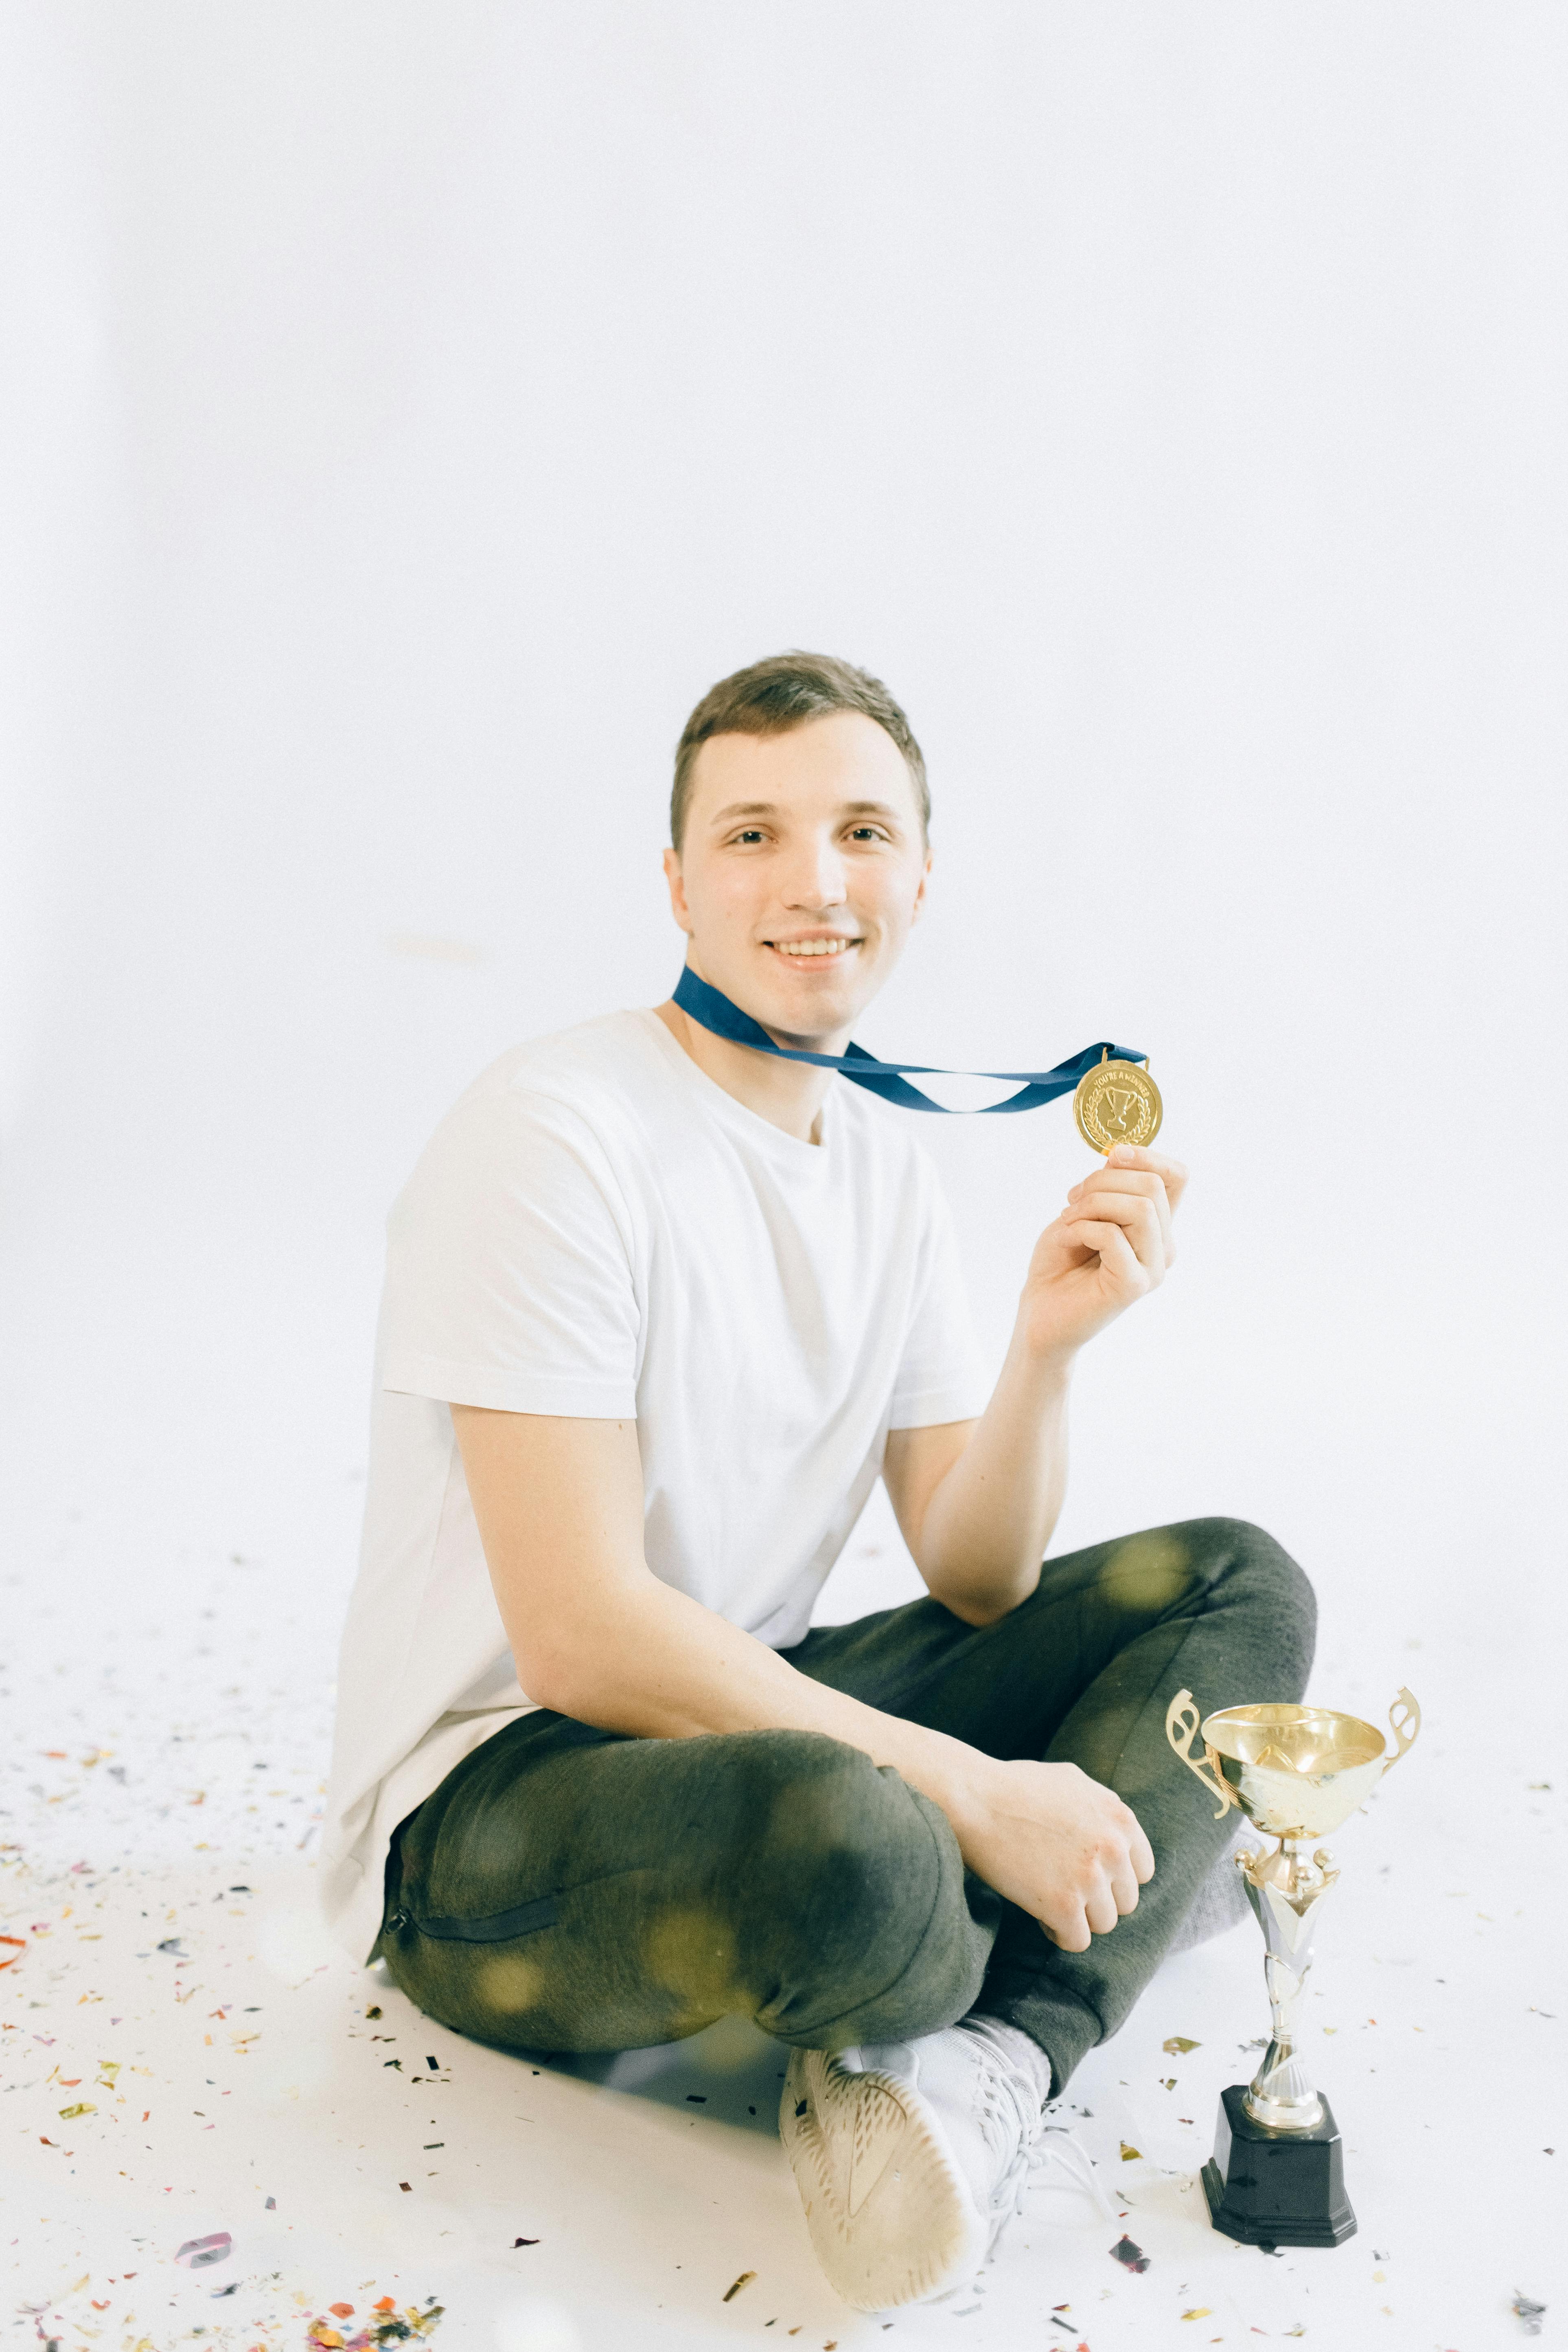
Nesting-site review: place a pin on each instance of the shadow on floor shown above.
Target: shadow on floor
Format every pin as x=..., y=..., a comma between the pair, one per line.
x=729, y=2072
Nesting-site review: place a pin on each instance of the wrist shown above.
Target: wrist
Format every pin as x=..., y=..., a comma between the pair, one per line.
x=957, y=1778
x=1045, y=1356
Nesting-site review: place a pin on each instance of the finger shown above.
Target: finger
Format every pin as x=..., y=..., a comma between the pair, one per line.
x=1137, y=1155
x=1068, y=1931
x=1141, y=1853
x=1101, y=1912
x=1113, y=1179
x=1115, y=1252
x=1129, y=1210
x=1131, y=1215
x=1126, y=1183
x=1125, y=1887
x=1127, y=1187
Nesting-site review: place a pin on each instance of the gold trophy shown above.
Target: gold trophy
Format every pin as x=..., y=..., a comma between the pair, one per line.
x=1276, y=2176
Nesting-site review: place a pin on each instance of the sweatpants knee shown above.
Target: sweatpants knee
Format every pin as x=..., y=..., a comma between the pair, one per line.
x=1262, y=1577
x=864, y=1889
x=840, y=1836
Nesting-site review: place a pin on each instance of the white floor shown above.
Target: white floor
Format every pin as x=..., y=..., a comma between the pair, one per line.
x=1175, y=420
x=168, y=1710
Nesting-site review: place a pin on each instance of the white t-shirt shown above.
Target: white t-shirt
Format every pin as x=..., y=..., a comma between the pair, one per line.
x=598, y=1229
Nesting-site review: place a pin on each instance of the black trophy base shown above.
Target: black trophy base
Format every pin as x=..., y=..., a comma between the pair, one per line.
x=1273, y=2188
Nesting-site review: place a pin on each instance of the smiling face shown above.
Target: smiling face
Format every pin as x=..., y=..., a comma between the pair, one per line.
x=803, y=865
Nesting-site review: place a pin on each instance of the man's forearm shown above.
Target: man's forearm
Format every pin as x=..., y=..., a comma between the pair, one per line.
x=985, y=1526
x=657, y=1664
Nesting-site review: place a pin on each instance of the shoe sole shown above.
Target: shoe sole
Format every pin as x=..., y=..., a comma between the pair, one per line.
x=890, y=2218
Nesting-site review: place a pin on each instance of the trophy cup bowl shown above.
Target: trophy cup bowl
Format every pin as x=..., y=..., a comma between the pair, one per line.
x=1297, y=1773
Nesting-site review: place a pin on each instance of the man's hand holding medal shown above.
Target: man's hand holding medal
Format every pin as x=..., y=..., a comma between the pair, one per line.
x=1111, y=1244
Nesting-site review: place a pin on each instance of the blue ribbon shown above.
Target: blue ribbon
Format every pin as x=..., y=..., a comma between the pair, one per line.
x=712, y=1010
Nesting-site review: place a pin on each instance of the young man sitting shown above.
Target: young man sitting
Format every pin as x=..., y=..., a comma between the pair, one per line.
x=660, y=1309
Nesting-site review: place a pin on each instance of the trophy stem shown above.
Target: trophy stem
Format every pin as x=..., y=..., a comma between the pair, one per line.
x=1285, y=1889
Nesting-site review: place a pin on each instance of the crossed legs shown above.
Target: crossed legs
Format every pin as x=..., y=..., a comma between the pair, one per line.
x=571, y=1889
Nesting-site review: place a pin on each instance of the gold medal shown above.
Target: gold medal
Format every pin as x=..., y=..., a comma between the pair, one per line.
x=1117, y=1102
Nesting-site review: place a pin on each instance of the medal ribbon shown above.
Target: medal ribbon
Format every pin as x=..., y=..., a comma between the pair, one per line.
x=712, y=1010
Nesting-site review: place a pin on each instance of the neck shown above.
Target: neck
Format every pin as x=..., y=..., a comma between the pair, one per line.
x=788, y=1095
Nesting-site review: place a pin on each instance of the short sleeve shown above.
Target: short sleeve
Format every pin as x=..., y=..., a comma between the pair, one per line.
x=941, y=1376
x=510, y=1275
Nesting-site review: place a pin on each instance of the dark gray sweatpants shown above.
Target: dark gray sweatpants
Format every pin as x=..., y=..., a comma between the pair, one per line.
x=571, y=1889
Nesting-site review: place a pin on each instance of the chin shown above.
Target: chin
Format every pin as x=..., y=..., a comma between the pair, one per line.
x=811, y=1011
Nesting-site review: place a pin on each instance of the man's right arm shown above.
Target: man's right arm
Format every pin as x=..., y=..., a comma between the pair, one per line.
x=597, y=1636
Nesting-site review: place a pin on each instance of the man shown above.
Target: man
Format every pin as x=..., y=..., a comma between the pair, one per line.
x=660, y=1307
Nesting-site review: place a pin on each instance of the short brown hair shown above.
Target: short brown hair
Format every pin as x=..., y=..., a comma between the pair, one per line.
x=770, y=697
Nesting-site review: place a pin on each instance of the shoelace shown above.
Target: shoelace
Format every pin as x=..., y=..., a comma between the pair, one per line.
x=1059, y=2149
x=1012, y=2105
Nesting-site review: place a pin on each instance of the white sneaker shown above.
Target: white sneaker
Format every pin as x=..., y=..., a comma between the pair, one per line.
x=910, y=2156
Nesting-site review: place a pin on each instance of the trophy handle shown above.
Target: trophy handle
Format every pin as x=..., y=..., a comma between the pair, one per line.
x=1405, y=1722
x=1183, y=1714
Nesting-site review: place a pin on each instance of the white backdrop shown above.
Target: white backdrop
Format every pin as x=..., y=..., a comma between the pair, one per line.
x=411, y=410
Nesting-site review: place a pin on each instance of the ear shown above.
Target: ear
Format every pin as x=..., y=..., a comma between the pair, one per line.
x=919, y=907
x=676, y=880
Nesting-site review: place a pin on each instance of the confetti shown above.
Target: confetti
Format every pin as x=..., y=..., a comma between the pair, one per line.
x=1130, y=2154
x=384, y=2327
x=21, y=1944
x=1199, y=2311
x=81, y=2108
x=1530, y=2313
x=1178, y=2045
x=200, y=2253
x=731, y=2292
x=523, y=2241
x=1132, y=2256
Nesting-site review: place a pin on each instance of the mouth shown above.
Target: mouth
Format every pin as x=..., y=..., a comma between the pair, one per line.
x=822, y=946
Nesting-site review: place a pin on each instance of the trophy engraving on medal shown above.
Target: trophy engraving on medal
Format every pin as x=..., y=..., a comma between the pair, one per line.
x=1276, y=2176
x=1117, y=1102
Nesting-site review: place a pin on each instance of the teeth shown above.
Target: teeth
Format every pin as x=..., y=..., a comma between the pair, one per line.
x=812, y=946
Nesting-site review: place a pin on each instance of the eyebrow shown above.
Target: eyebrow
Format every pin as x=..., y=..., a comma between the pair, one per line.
x=770, y=808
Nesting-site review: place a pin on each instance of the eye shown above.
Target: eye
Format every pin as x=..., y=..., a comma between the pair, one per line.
x=867, y=833
x=748, y=833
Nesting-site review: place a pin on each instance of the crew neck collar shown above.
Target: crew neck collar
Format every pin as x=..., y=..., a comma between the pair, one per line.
x=738, y=1114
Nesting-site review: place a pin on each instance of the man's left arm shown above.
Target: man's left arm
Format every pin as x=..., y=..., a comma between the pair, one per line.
x=977, y=1501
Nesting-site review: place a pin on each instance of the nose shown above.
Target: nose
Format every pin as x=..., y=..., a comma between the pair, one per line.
x=814, y=880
